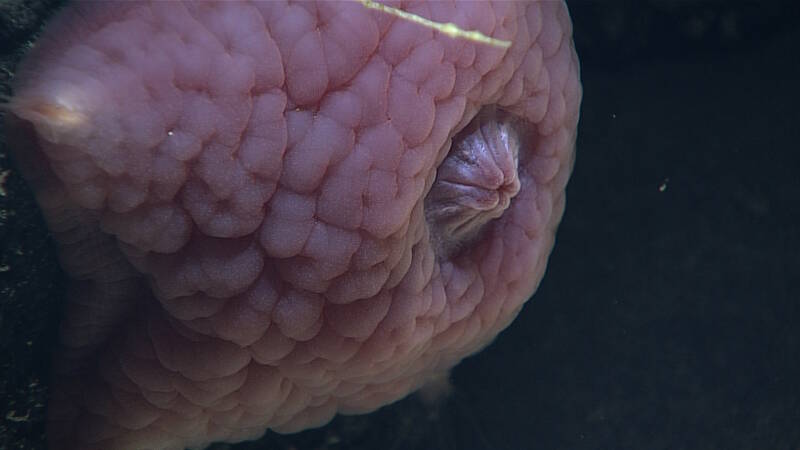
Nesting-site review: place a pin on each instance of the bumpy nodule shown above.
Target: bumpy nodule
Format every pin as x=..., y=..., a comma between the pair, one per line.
x=274, y=212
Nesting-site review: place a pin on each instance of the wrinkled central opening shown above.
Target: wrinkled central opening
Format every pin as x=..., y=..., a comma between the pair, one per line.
x=476, y=182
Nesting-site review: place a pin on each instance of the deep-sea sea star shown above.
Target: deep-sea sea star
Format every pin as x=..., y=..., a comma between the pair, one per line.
x=272, y=212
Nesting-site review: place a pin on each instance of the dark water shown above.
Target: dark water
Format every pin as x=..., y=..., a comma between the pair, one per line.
x=670, y=314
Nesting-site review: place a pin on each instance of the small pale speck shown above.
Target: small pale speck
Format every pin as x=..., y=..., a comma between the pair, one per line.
x=14, y=417
x=663, y=186
x=3, y=177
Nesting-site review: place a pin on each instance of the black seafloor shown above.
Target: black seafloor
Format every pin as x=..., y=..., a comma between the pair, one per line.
x=669, y=317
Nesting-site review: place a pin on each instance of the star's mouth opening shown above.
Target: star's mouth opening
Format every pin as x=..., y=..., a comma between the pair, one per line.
x=477, y=180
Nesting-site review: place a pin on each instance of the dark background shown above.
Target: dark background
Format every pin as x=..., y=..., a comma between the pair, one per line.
x=669, y=317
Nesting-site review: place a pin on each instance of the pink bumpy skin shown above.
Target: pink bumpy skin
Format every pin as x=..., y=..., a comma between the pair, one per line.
x=272, y=213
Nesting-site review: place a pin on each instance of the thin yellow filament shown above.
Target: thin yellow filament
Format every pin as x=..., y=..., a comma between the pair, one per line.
x=449, y=28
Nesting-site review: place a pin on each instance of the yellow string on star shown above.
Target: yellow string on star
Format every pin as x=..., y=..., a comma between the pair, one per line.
x=449, y=28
